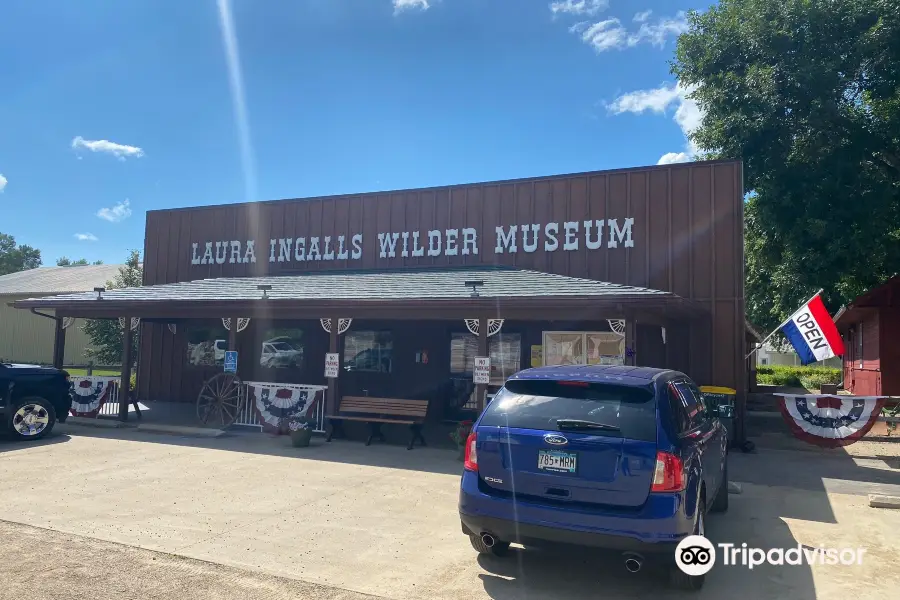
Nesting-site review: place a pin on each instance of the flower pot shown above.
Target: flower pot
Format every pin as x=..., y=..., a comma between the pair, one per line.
x=301, y=438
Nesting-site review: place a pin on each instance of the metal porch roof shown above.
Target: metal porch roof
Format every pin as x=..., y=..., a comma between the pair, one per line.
x=420, y=287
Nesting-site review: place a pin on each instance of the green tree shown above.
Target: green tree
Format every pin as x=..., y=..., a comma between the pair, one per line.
x=65, y=261
x=15, y=257
x=807, y=93
x=106, y=334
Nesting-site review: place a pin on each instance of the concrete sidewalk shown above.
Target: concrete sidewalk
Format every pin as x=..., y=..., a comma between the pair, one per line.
x=382, y=520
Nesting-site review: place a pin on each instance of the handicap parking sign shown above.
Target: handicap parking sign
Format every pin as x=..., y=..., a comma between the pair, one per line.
x=231, y=361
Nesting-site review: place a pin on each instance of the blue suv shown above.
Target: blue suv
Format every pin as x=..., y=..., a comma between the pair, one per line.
x=624, y=458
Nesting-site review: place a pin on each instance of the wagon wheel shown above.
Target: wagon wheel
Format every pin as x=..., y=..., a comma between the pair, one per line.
x=220, y=400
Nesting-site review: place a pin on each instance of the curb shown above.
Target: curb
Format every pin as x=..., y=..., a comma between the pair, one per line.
x=203, y=432
x=91, y=422
x=882, y=501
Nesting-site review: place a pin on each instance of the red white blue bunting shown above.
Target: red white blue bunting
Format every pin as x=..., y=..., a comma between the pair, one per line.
x=830, y=421
x=89, y=393
x=276, y=403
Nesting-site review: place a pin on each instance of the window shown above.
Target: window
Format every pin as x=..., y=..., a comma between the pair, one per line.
x=690, y=403
x=282, y=349
x=369, y=351
x=859, y=344
x=539, y=404
x=583, y=348
x=505, y=350
x=206, y=345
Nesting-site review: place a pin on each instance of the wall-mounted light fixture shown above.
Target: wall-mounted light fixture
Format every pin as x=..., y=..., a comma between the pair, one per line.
x=474, y=285
x=99, y=291
x=265, y=288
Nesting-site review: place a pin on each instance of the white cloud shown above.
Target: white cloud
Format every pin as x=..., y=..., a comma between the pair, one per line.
x=658, y=34
x=401, y=5
x=119, y=212
x=579, y=7
x=670, y=158
x=3, y=182
x=604, y=35
x=120, y=151
x=610, y=34
x=86, y=237
x=642, y=17
x=659, y=100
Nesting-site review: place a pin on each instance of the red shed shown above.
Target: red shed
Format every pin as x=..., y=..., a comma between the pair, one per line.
x=870, y=326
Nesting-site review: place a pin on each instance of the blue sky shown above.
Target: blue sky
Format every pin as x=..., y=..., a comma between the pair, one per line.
x=109, y=108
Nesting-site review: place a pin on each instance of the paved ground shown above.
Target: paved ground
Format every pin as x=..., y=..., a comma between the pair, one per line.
x=343, y=518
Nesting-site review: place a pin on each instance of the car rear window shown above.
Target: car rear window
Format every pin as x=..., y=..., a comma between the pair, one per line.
x=539, y=404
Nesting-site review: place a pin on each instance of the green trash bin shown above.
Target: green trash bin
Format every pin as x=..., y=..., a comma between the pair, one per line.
x=721, y=401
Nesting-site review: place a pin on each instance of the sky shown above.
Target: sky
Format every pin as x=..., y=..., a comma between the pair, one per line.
x=109, y=109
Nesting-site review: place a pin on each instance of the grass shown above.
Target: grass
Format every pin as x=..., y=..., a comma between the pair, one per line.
x=809, y=377
x=99, y=372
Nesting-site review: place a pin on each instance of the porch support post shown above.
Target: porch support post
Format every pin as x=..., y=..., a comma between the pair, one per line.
x=125, y=382
x=630, y=340
x=333, y=346
x=59, y=343
x=232, y=334
x=481, y=389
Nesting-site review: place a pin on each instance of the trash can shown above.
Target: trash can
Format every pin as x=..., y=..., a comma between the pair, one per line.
x=721, y=401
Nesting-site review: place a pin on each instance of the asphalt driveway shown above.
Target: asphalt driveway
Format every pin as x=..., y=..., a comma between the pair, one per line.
x=382, y=520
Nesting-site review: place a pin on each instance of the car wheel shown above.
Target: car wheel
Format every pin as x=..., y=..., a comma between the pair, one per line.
x=32, y=419
x=498, y=549
x=720, y=504
x=678, y=578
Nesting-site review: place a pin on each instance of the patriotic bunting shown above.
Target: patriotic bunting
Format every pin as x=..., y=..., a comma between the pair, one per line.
x=89, y=393
x=830, y=421
x=276, y=403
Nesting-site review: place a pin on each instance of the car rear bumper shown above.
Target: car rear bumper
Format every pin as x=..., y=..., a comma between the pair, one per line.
x=529, y=534
x=656, y=526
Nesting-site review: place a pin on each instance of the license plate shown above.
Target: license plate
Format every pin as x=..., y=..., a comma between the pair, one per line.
x=557, y=460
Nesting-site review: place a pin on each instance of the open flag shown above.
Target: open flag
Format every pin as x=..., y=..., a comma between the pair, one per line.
x=812, y=332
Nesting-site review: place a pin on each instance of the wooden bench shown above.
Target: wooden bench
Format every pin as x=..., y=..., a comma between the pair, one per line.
x=378, y=411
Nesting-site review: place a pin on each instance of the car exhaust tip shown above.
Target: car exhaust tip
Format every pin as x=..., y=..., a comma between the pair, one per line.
x=633, y=562
x=488, y=540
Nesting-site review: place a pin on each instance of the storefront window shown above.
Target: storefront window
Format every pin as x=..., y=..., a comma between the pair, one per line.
x=370, y=351
x=505, y=351
x=584, y=348
x=282, y=349
x=206, y=346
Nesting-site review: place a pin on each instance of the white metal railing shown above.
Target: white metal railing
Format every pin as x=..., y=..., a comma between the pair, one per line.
x=248, y=416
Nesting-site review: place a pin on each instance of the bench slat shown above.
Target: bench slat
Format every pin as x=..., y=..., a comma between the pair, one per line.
x=372, y=419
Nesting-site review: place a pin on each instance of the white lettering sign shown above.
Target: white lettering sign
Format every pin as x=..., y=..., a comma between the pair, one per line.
x=482, y=371
x=567, y=236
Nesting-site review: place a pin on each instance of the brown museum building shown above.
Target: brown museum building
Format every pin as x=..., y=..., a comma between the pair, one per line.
x=636, y=266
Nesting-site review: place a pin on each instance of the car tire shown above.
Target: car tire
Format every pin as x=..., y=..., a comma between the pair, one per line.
x=680, y=580
x=33, y=417
x=498, y=549
x=720, y=504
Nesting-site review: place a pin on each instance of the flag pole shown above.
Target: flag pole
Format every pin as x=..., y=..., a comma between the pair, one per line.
x=783, y=323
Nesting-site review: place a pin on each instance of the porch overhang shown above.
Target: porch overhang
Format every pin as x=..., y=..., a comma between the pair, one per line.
x=409, y=294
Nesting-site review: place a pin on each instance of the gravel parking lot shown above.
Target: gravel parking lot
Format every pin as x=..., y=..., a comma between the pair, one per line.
x=342, y=520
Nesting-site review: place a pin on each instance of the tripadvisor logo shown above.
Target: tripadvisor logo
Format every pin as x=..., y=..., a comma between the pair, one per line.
x=696, y=555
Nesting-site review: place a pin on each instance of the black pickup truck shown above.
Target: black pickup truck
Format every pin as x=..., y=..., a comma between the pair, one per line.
x=32, y=400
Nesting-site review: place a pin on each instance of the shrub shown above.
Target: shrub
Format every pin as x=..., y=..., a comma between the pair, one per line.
x=810, y=377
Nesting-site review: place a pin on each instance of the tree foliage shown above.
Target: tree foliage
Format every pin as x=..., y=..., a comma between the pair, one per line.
x=106, y=334
x=65, y=261
x=15, y=257
x=807, y=93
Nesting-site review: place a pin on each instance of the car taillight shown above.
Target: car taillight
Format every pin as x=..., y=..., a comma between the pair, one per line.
x=471, y=463
x=669, y=473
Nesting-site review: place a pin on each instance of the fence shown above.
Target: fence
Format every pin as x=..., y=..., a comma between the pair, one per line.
x=248, y=415
x=94, y=395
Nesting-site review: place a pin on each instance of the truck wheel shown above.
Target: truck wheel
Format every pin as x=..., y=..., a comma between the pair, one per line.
x=32, y=418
